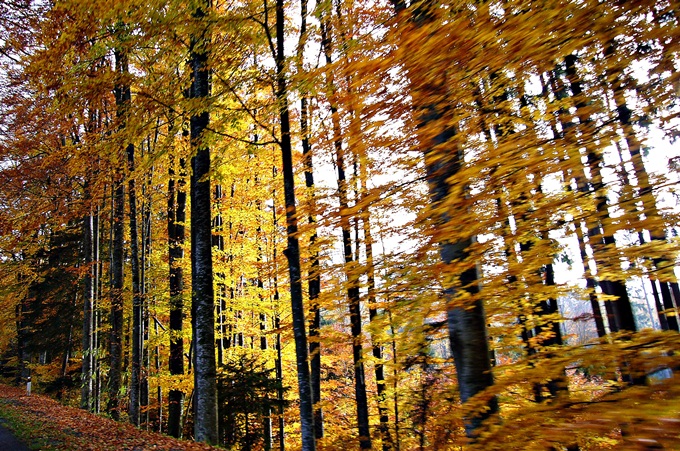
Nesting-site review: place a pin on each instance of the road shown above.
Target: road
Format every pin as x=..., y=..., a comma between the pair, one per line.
x=9, y=443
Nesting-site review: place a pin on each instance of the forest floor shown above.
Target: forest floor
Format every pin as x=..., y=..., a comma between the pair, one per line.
x=44, y=424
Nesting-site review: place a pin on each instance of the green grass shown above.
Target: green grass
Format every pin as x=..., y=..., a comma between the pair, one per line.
x=32, y=433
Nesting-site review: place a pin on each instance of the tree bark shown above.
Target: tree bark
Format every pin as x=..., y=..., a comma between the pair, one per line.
x=381, y=387
x=96, y=321
x=144, y=285
x=137, y=327
x=622, y=309
x=663, y=319
x=313, y=277
x=176, y=237
x=292, y=252
x=116, y=314
x=560, y=93
x=278, y=363
x=202, y=306
x=645, y=193
x=221, y=294
x=353, y=294
x=443, y=160
x=123, y=99
x=88, y=310
x=266, y=409
x=122, y=94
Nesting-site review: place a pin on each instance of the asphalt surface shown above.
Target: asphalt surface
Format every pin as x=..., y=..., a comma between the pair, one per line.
x=9, y=443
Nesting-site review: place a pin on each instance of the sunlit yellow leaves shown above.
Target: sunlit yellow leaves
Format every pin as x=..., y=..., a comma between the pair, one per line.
x=474, y=98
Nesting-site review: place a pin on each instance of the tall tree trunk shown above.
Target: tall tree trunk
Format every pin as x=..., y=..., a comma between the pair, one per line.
x=144, y=285
x=96, y=320
x=558, y=385
x=560, y=93
x=220, y=296
x=547, y=330
x=313, y=277
x=123, y=99
x=278, y=362
x=116, y=314
x=202, y=306
x=23, y=354
x=395, y=386
x=69, y=347
x=443, y=160
x=599, y=226
x=88, y=315
x=292, y=252
x=353, y=293
x=122, y=94
x=384, y=429
x=600, y=237
x=264, y=345
x=653, y=219
x=137, y=327
x=361, y=170
x=675, y=293
x=313, y=285
x=663, y=319
x=176, y=236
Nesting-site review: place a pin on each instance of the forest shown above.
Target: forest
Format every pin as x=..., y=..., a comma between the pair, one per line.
x=346, y=224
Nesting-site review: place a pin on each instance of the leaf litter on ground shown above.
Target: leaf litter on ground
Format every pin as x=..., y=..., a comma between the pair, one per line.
x=54, y=427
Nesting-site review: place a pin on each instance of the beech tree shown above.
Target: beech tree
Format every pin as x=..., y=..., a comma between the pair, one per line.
x=292, y=251
x=314, y=276
x=486, y=177
x=443, y=159
x=202, y=305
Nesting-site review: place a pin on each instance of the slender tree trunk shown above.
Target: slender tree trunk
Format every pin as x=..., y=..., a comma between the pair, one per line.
x=88, y=315
x=353, y=293
x=122, y=94
x=23, y=354
x=675, y=293
x=278, y=362
x=599, y=232
x=116, y=318
x=558, y=385
x=176, y=237
x=137, y=307
x=670, y=310
x=220, y=296
x=384, y=428
x=548, y=330
x=202, y=308
x=361, y=168
x=69, y=347
x=145, y=242
x=96, y=320
x=653, y=219
x=314, y=277
x=292, y=252
x=559, y=90
x=264, y=345
x=663, y=319
x=622, y=308
x=123, y=99
x=395, y=386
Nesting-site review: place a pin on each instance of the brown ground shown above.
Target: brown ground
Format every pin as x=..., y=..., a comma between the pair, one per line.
x=52, y=426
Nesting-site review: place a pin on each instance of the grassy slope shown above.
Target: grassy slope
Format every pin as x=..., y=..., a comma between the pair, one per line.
x=47, y=425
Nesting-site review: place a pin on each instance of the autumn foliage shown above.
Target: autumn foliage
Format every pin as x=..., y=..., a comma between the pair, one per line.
x=339, y=224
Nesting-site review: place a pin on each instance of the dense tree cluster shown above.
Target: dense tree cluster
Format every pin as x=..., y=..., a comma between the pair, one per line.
x=396, y=225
